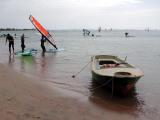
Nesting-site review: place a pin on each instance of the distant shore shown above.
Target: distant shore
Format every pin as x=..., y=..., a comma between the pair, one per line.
x=76, y=29
x=14, y=29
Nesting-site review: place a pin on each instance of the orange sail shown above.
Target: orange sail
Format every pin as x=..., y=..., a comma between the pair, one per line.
x=42, y=30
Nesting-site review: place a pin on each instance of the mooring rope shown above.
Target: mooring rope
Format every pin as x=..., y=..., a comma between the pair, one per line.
x=73, y=76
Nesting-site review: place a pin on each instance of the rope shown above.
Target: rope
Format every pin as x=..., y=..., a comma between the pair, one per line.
x=73, y=76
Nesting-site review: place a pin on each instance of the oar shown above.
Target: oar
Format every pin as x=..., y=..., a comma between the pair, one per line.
x=73, y=76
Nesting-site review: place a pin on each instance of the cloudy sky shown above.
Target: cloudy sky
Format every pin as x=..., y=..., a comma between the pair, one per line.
x=77, y=14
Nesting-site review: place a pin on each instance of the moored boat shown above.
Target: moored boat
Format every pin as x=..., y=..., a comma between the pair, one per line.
x=114, y=73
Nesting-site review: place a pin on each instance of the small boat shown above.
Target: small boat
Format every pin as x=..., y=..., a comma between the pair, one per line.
x=114, y=73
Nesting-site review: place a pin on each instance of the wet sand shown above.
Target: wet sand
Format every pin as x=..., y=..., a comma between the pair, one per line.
x=22, y=98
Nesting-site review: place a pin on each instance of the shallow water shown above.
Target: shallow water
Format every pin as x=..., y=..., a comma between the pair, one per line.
x=57, y=69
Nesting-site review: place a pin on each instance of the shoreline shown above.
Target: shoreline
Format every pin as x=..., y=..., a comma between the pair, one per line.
x=23, y=98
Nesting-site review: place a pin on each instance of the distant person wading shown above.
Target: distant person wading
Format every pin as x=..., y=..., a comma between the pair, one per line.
x=10, y=39
x=126, y=34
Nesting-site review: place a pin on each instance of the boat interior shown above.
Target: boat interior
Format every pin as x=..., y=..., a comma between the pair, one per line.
x=110, y=63
x=102, y=62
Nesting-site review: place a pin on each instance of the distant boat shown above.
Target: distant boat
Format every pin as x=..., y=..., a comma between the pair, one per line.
x=114, y=73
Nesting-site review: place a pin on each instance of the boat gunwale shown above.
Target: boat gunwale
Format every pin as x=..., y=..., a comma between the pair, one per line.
x=128, y=68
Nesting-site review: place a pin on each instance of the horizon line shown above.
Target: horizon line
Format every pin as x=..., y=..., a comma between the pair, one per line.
x=109, y=29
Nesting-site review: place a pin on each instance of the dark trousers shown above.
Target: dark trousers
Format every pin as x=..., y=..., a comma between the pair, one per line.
x=22, y=46
x=43, y=47
x=11, y=44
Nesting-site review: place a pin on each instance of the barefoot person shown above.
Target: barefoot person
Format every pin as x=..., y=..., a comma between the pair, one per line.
x=10, y=39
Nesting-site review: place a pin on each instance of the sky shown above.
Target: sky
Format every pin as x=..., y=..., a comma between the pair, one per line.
x=78, y=14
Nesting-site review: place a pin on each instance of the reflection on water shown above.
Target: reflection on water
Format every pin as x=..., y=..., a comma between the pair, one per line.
x=102, y=97
x=43, y=54
x=11, y=59
x=37, y=66
x=27, y=62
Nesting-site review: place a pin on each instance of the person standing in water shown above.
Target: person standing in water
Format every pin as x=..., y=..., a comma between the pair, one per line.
x=126, y=34
x=43, y=40
x=22, y=43
x=10, y=39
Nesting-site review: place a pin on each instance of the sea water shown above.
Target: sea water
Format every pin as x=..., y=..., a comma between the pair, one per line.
x=142, y=51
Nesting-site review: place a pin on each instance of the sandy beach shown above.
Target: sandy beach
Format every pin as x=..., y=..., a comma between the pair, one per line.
x=22, y=98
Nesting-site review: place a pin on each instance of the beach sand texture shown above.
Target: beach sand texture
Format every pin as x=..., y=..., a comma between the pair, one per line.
x=22, y=98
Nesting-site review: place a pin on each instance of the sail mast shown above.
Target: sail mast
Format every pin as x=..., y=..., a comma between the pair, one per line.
x=42, y=30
